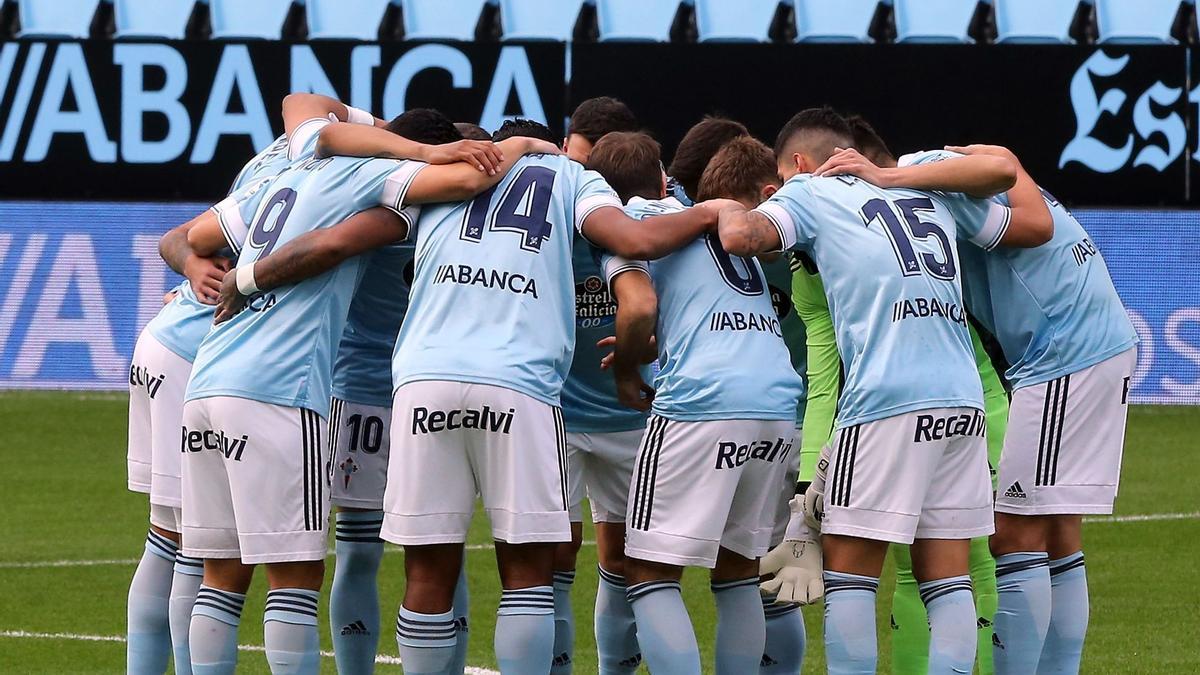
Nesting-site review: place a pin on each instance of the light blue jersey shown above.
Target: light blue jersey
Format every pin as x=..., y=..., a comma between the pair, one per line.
x=280, y=350
x=890, y=266
x=1052, y=308
x=362, y=371
x=720, y=344
x=493, y=296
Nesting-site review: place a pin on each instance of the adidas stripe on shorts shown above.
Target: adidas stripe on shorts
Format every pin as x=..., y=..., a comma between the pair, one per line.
x=1062, y=452
x=921, y=474
x=701, y=486
x=157, y=382
x=254, y=481
x=601, y=464
x=359, y=438
x=455, y=438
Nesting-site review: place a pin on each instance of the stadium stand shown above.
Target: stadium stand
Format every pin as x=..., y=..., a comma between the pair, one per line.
x=934, y=20
x=745, y=21
x=539, y=19
x=1143, y=21
x=166, y=19
x=1035, y=21
x=441, y=19
x=345, y=19
x=844, y=21
x=636, y=20
x=243, y=19
x=60, y=18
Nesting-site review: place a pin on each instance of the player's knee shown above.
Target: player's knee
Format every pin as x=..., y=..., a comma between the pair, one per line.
x=732, y=566
x=227, y=574
x=307, y=574
x=525, y=565
x=1016, y=534
x=610, y=547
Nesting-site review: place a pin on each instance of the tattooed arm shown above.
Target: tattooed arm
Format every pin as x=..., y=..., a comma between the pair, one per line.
x=747, y=233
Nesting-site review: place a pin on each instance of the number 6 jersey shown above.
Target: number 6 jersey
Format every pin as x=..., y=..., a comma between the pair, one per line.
x=493, y=290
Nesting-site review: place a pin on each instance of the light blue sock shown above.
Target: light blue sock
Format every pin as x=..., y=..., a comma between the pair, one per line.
x=148, y=636
x=1022, y=612
x=741, y=626
x=290, y=631
x=1068, y=617
x=786, y=639
x=185, y=583
x=850, y=642
x=950, y=606
x=524, y=640
x=564, y=624
x=354, y=597
x=461, y=610
x=616, y=631
x=212, y=638
x=664, y=629
x=426, y=641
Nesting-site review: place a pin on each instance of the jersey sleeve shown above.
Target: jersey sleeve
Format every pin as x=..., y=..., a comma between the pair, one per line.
x=982, y=221
x=614, y=266
x=592, y=192
x=789, y=211
x=303, y=139
x=824, y=368
x=385, y=182
x=235, y=213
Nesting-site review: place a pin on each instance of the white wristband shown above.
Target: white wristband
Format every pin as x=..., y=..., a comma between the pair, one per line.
x=356, y=116
x=245, y=280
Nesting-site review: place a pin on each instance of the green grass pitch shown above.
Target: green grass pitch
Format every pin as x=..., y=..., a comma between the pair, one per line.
x=72, y=531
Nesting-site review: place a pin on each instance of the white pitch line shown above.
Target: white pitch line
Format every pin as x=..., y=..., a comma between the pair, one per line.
x=1143, y=517
x=30, y=635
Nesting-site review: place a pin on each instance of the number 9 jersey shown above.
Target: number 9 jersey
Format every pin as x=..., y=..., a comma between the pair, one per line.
x=890, y=267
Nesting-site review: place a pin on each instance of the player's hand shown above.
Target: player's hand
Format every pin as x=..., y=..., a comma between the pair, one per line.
x=795, y=569
x=232, y=301
x=483, y=155
x=850, y=162
x=632, y=390
x=983, y=149
x=719, y=205
x=606, y=361
x=536, y=146
x=205, y=275
x=813, y=502
x=169, y=296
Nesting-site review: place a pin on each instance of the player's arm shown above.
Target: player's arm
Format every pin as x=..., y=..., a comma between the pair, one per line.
x=311, y=254
x=824, y=385
x=299, y=108
x=748, y=232
x=461, y=180
x=979, y=175
x=637, y=315
x=204, y=273
x=1030, y=223
x=354, y=140
x=611, y=229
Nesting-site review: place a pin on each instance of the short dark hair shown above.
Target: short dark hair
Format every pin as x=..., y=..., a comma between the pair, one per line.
x=739, y=171
x=823, y=128
x=698, y=146
x=867, y=140
x=472, y=132
x=523, y=127
x=424, y=125
x=602, y=115
x=631, y=162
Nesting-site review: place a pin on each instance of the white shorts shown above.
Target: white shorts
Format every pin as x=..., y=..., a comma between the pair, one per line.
x=167, y=518
x=253, y=481
x=158, y=378
x=358, y=442
x=454, y=439
x=1062, y=452
x=702, y=486
x=783, y=509
x=921, y=474
x=601, y=464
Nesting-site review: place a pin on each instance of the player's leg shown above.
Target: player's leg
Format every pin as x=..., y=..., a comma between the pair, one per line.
x=290, y=617
x=852, y=569
x=216, y=615
x=983, y=565
x=983, y=583
x=664, y=628
x=910, y=624
x=1069, y=605
x=786, y=637
x=741, y=622
x=185, y=584
x=940, y=567
x=564, y=558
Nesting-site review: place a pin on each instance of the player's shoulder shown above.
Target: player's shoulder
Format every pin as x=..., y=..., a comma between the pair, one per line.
x=926, y=157
x=640, y=208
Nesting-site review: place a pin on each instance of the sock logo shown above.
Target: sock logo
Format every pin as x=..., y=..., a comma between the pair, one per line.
x=355, y=628
x=767, y=661
x=632, y=662
x=996, y=641
x=563, y=659
x=983, y=623
x=1015, y=491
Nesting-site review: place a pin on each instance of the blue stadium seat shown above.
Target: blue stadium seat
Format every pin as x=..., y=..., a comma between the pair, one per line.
x=742, y=21
x=1140, y=21
x=248, y=18
x=441, y=19
x=539, y=19
x=57, y=18
x=1035, y=21
x=152, y=18
x=345, y=19
x=840, y=21
x=933, y=20
x=638, y=20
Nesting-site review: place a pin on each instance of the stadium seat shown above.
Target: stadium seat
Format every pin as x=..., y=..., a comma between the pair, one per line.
x=1143, y=21
x=57, y=18
x=933, y=20
x=636, y=20
x=539, y=19
x=841, y=21
x=248, y=18
x=441, y=19
x=1035, y=21
x=345, y=19
x=742, y=21
x=152, y=18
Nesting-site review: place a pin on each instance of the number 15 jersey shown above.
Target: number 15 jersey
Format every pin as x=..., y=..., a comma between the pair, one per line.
x=492, y=297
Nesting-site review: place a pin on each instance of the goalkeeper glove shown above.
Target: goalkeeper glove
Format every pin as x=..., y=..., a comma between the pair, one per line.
x=794, y=565
x=814, y=496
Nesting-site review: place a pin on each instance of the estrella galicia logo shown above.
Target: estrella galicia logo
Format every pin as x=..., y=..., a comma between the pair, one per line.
x=594, y=305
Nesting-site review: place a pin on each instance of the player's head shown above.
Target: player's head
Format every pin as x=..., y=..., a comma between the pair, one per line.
x=472, y=132
x=744, y=171
x=868, y=142
x=591, y=121
x=525, y=128
x=425, y=125
x=631, y=162
x=698, y=146
x=810, y=138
